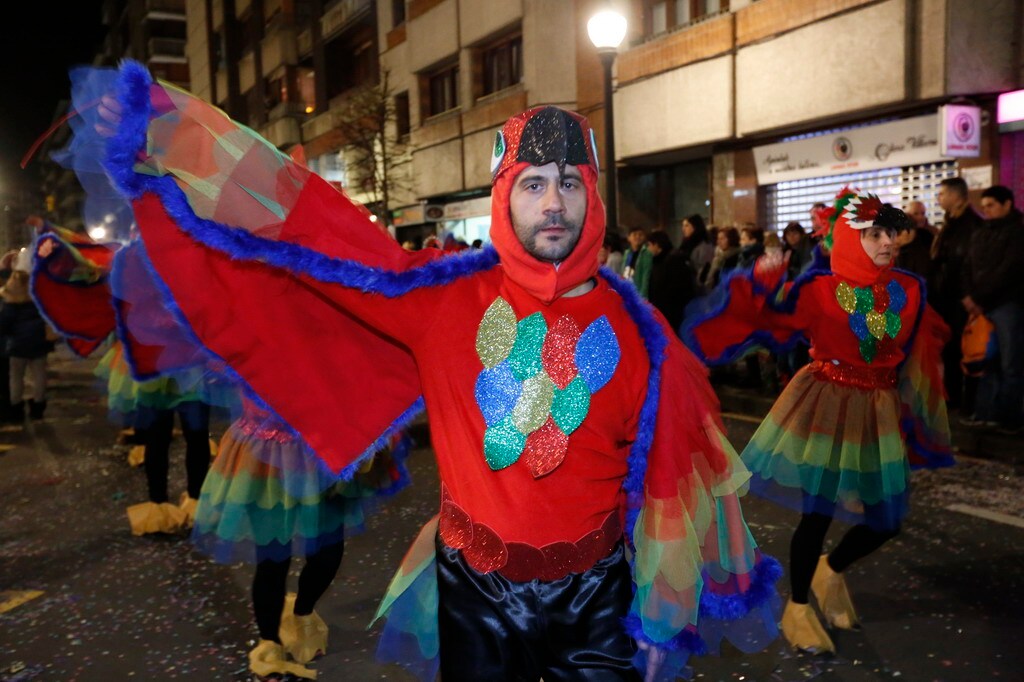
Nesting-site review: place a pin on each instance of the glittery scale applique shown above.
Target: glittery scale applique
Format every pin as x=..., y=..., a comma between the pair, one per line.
x=525, y=358
x=558, y=351
x=534, y=404
x=545, y=448
x=497, y=333
x=497, y=393
x=597, y=354
x=874, y=315
x=536, y=385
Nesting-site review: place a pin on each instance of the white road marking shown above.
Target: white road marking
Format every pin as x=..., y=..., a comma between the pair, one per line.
x=998, y=517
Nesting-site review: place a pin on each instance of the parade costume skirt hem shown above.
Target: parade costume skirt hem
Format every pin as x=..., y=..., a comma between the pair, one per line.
x=832, y=449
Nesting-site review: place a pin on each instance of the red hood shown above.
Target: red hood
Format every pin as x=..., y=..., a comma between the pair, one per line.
x=849, y=260
x=537, y=137
x=540, y=278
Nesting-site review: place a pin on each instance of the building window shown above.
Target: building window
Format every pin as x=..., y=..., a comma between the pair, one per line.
x=306, y=80
x=275, y=91
x=443, y=91
x=502, y=65
x=402, y=120
x=253, y=108
x=352, y=62
x=666, y=15
x=397, y=12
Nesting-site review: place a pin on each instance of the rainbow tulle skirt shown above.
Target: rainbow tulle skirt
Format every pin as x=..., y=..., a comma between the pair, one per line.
x=833, y=449
x=267, y=497
x=129, y=400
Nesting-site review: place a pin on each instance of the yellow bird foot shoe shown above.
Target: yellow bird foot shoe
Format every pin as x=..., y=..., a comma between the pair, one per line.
x=137, y=455
x=803, y=630
x=269, y=662
x=833, y=598
x=304, y=637
x=153, y=517
x=188, y=507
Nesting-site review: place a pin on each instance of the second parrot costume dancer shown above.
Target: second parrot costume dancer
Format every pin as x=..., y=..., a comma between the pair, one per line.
x=590, y=523
x=266, y=499
x=71, y=284
x=843, y=436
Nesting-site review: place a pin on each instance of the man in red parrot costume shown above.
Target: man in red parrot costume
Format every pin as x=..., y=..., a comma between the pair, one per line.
x=589, y=526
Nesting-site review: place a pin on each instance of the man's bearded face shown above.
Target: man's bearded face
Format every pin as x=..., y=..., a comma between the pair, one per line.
x=548, y=209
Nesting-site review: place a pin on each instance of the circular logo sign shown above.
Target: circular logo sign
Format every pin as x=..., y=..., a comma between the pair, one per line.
x=842, y=148
x=963, y=127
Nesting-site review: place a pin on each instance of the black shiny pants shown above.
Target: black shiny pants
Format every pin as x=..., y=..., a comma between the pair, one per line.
x=493, y=629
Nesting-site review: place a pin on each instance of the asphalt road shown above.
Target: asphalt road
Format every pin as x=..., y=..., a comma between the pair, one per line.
x=82, y=600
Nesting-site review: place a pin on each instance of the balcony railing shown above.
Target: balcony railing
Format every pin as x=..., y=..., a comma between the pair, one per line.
x=341, y=14
x=166, y=49
x=165, y=9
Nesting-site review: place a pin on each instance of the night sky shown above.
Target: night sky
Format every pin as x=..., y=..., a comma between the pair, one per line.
x=40, y=40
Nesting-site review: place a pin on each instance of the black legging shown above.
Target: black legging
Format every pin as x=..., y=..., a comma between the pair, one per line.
x=808, y=541
x=156, y=434
x=269, y=586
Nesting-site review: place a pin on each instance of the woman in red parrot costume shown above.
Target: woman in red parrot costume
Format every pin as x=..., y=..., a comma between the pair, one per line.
x=590, y=525
x=843, y=436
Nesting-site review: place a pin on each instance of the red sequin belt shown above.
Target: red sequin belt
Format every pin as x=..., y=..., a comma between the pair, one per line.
x=866, y=378
x=518, y=561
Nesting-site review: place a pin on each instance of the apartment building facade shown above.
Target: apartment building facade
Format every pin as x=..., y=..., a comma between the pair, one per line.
x=715, y=99
x=753, y=111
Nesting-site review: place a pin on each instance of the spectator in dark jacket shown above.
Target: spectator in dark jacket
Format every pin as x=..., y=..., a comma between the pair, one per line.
x=798, y=245
x=673, y=284
x=915, y=245
x=994, y=287
x=24, y=334
x=945, y=288
x=751, y=245
x=697, y=246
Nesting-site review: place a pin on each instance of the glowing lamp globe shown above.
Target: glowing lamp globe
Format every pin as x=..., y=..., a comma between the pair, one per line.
x=607, y=29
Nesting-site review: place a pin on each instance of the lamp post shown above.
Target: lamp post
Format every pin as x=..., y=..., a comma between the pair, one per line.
x=607, y=30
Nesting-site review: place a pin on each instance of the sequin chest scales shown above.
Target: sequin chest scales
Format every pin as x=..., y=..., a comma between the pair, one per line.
x=536, y=384
x=874, y=315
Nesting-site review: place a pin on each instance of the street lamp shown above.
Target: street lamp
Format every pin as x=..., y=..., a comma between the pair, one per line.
x=607, y=30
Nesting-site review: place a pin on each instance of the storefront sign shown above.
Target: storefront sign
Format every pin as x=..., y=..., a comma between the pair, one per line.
x=1010, y=111
x=410, y=215
x=470, y=208
x=960, y=130
x=979, y=177
x=908, y=142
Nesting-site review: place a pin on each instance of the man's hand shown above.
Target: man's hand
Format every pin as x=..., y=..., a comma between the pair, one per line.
x=45, y=248
x=972, y=308
x=655, y=657
x=110, y=111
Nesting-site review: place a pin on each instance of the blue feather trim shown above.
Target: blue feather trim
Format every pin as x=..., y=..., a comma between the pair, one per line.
x=687, y=640
x=641, y=312
x=735, y=606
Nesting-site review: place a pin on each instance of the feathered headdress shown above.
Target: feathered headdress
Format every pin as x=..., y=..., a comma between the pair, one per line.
x=861, y=212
